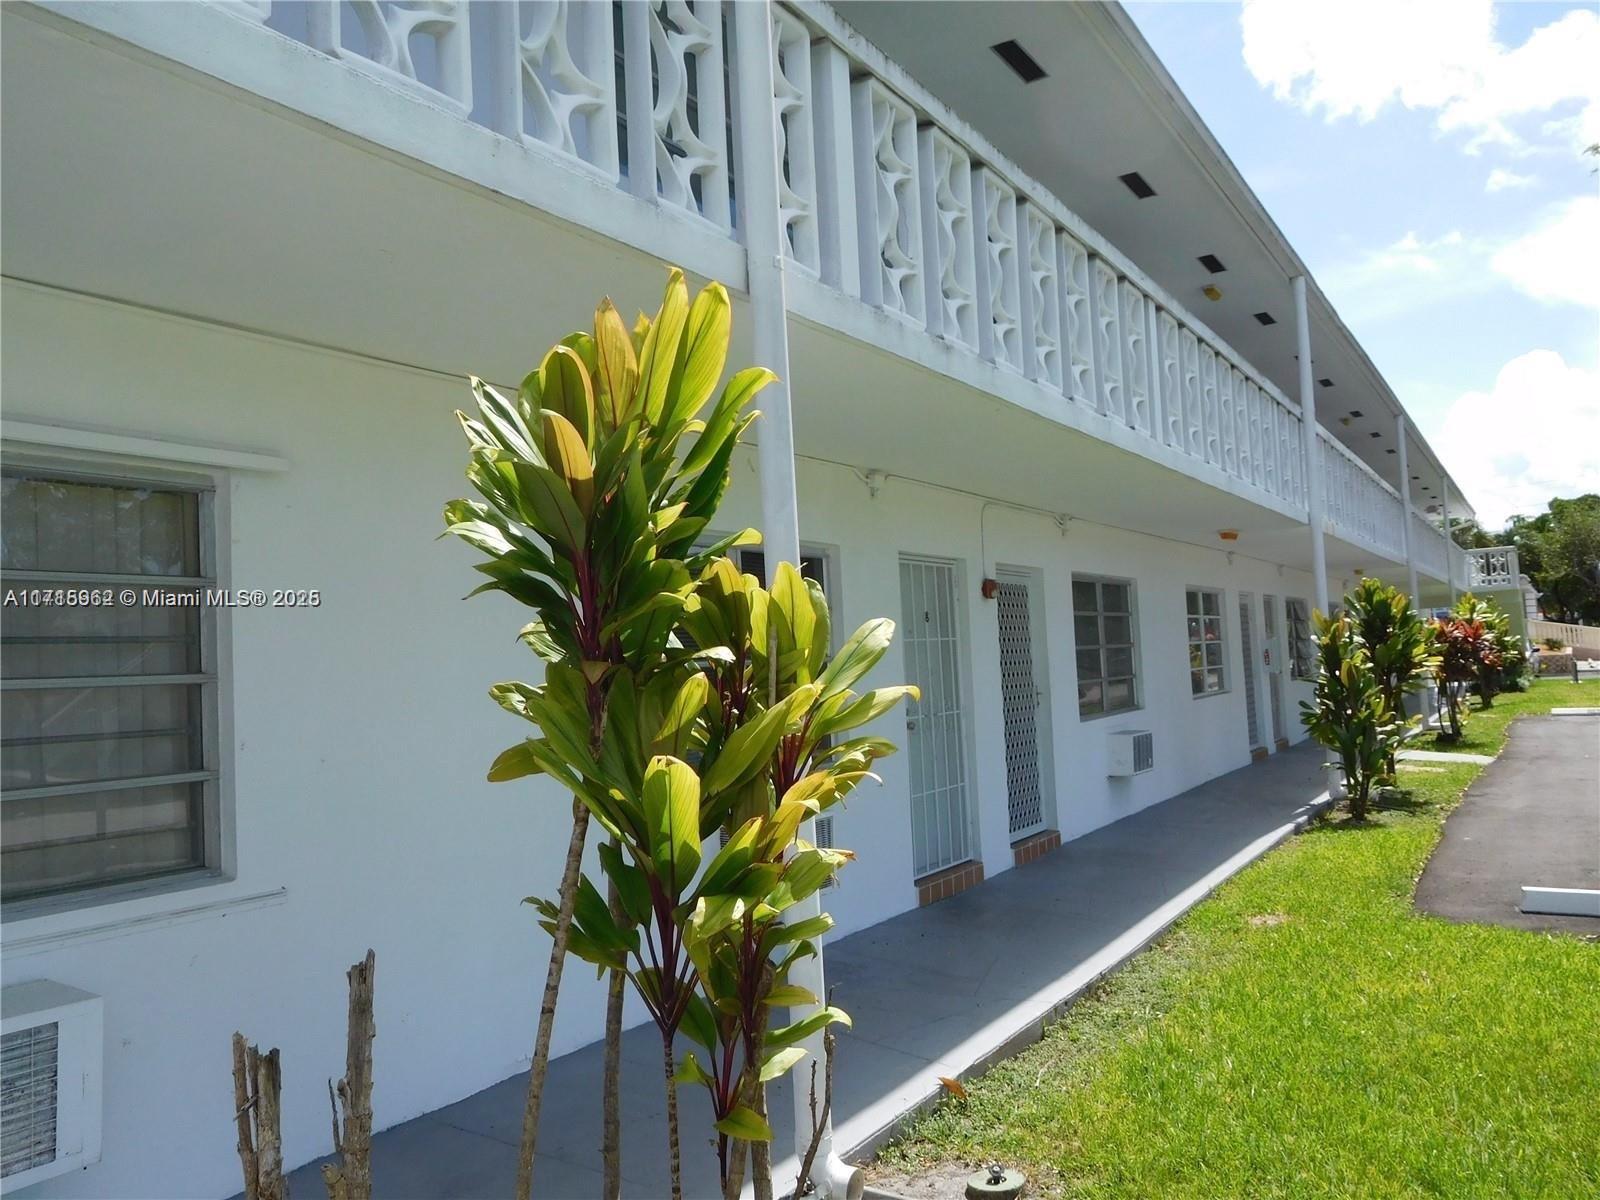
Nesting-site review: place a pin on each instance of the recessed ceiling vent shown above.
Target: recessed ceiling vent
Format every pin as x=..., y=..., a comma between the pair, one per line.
x=1136, y=184
x=1212, y=263
x=1266, y=318
x=1019, y=60
x=1325, y=381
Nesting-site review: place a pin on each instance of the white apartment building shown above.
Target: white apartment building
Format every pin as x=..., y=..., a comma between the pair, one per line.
x=1064, y=402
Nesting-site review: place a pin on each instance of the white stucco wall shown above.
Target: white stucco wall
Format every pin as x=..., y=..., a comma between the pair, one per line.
x=361, y=731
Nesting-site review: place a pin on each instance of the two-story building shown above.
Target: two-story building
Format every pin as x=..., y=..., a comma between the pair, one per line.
x=1064, y=402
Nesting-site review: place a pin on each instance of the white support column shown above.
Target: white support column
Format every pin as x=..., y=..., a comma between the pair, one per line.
x=1405, y=513
x=1449, y=541
x=762, y=226
x=1308, y=435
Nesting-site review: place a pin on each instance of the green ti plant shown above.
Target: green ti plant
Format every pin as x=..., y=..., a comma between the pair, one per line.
x=1509, y=659
x=751, y=744
x=744, y=949
x=1398, y=641
x=596, y=481
x=1467, y=649
x=1348, y=712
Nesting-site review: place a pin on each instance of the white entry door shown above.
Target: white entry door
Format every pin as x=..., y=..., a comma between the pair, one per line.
x=1247, y=643
x=1024, y=704
x=1273, y=656
x=941, y=834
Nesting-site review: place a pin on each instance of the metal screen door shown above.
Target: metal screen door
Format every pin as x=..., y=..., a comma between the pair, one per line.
x=1269, y=621
x=1247, y=642
x=940, y=828
x=1021, y=700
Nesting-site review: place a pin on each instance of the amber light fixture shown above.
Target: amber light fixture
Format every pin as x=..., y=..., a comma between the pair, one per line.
x=1228, y=535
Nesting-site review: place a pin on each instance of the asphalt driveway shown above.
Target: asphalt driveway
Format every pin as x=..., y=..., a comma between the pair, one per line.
x=1531, y=818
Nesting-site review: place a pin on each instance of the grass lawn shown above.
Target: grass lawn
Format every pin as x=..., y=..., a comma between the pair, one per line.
x=1305, y=1033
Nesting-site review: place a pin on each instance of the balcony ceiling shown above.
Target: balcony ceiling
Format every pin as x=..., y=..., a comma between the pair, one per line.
x=1106, y=107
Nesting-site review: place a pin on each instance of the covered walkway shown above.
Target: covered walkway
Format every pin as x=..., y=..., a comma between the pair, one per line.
x=942, y=990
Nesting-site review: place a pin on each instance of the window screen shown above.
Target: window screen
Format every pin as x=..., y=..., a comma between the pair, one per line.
x=1300, y=656
x=1204, y=619
x=105, y=773
x=1102, y=623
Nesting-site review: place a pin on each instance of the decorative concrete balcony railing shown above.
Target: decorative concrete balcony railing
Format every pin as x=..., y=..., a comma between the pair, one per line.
x=1493, y=567
x=886, y=196
x=1359, y=506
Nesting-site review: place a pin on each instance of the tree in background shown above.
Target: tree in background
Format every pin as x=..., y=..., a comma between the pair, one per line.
x=1559, y=550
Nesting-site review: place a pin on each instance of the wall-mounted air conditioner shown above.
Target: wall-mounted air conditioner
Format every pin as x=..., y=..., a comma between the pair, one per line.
x=50, y=1073
x=824, y=829
x=1131, y=752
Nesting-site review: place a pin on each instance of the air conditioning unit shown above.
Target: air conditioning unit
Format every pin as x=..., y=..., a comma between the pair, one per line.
x=51, y=1056
x=1132, y=752
x=824, y=830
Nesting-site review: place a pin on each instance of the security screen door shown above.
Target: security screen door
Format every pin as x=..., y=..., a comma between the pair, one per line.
x=935, y=746
x=1022, y=702
x=1269, y=620
x=1247, y=643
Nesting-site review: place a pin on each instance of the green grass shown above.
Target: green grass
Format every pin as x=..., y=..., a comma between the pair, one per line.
x=1305, y=1033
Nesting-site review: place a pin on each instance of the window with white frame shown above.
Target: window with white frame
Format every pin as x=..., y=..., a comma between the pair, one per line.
x=110, y=687
x=1103, y=628
x=1301, y=661
x=1204, y=620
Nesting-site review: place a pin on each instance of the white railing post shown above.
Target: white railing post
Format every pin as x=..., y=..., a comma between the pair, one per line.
x=838, y=246
x=1405, y=513
x=1107, y=339
x=1313, y=456
x=765, y=241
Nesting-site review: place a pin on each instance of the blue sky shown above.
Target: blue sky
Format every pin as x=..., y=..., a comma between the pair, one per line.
x=1424, y=156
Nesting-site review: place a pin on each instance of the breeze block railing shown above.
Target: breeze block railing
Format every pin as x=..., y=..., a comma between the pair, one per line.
x=1360, y=506
x=886, y=195
x=1493, y=567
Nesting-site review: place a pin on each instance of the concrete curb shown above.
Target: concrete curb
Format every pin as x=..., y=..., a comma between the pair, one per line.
x=865, y=1134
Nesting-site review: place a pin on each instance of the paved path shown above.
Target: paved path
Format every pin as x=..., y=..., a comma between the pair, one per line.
x=1532, y=818
x=933, y=992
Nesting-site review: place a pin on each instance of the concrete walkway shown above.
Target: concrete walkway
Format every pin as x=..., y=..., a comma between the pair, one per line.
x=1532, y=818
x=943, y=990
x=1444, y=756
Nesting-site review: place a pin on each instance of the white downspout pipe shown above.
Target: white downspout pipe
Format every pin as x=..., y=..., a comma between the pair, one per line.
x=756, y=123
x=1405, y=506
x=1313, y=451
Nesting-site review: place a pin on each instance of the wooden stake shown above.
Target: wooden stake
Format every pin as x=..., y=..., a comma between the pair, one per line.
x=243, y=1106
x=269, y=1131
x=351, y=1178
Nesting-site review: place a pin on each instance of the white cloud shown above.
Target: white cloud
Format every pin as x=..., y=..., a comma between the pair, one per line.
x=1354, y=57
x=1559, y=260
x=1531, y=437
x=1408, y=274
x=1556, y=262
x=1501, y=180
